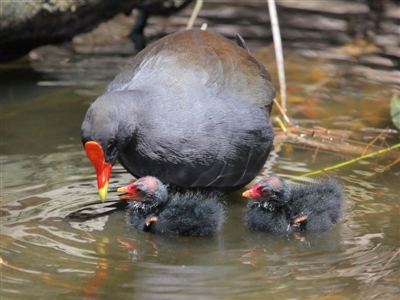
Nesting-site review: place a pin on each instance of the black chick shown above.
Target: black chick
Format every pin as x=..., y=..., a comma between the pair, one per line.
x=189, y=213
x=280, y=207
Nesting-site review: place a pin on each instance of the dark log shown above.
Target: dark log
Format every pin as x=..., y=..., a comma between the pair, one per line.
x=25, y=25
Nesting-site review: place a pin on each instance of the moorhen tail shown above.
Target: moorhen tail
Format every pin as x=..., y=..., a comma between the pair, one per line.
x=280, y=207
x=153, y=209
x=191, y=109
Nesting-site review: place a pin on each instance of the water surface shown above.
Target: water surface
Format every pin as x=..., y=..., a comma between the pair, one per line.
x=59, y=241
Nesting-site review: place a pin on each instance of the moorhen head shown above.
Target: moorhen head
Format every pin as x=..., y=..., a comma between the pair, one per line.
x=153, y=208
x=191, y=109
x=280, y=207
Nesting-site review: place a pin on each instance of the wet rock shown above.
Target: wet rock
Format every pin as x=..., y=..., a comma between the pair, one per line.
x=25, y=25
x=111, y=37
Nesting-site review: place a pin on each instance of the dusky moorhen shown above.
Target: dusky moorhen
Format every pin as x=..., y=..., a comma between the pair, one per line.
x=280, y=207
x=191, y=109
x=153, y=209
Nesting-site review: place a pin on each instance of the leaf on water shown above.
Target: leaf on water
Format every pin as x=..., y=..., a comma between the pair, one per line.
x=395, y=110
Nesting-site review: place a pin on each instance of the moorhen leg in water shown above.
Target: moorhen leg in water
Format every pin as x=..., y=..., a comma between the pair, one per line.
x=191, y=109
x=280, y=207
x=153, y=209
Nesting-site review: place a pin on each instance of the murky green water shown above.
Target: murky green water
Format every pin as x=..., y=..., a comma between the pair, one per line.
x=59, y=242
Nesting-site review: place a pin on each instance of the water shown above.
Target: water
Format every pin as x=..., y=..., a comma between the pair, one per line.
x=59, y=241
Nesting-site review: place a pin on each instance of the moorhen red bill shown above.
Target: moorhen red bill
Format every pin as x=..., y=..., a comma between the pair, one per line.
x=281, y=207
x=191, y=109
x=190, y=213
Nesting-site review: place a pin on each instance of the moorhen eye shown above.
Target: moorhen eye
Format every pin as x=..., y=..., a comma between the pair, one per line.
x=174, y=213
x=293, y=208
x=110, y=143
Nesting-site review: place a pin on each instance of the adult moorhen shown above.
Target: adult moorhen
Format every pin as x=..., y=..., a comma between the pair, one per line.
x=191, y=109
x=280, y=207
x=189, y=213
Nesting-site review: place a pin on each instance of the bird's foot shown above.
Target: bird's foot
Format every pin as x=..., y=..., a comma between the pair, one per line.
x=151, y=220
x=127, y=245
x=250, y=254
x=299, y=237
x=296, y=222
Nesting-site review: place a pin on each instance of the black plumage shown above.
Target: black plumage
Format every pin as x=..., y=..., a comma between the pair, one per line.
x=191, y=109
x=281, y=207
x=190, y=213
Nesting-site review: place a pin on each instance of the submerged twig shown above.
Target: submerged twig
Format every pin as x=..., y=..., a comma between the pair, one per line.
x=195, y=12
x=315, y=154
x=276, y=34
x=385, y=168
x=392, y=164
x=374, y=140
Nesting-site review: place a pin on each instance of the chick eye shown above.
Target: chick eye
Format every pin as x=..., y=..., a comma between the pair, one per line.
x=110, y=143
x=262, y=189
x=139, y=188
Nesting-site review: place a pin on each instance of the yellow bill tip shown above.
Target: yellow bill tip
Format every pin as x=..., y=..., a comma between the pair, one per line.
x=247, y=194
x=121, y=190
x=103, y=192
